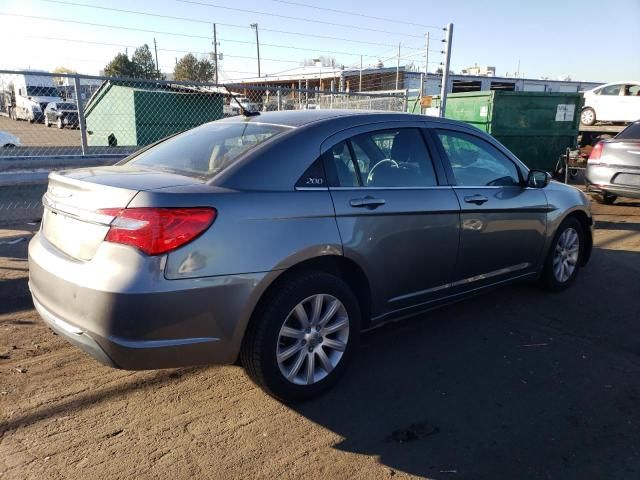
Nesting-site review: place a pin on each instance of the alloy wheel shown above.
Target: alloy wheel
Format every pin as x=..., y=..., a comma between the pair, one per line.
x=566, y=255
x=312, y=339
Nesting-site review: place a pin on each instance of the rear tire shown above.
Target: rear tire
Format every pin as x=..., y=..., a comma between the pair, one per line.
x=320, y=354
x=565, y=256
x=605, y=198
x=588, y=116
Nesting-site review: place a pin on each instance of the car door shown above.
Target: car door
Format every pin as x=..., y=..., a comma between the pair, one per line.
x=396, y=216
x=502, y=222
x=48, y=111
x=610, y=103
x=631, y=103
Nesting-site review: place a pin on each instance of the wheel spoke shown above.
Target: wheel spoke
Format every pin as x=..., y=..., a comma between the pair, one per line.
x=289, y=352
x=331, y=311
x=335, y=326
x=311, y=366
x=301, y=313
x=334, y=344
x=291, y=332
x=317, y=308
x=304, y=352
x=324, y=360
x=295, y=368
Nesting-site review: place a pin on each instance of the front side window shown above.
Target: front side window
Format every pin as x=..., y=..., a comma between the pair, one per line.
x=207, y=150
x=611, y=90
x=476, y=162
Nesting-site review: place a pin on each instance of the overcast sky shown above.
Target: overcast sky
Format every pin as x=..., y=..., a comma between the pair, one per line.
x=587, y=40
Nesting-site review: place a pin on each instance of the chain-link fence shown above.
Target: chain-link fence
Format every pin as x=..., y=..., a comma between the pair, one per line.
x=50, y=121
x=43, y=114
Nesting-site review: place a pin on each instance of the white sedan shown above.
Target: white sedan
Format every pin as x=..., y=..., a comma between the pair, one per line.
x=9, y=140
x=613, y=102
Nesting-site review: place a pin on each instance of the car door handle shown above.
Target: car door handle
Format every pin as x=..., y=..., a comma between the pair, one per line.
x=477, y=199
x=367, y=202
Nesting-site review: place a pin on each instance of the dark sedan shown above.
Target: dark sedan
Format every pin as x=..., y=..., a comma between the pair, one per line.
x=61, y=115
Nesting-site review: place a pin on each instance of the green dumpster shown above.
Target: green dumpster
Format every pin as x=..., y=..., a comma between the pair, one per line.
x=537, y=127
x=137, y=114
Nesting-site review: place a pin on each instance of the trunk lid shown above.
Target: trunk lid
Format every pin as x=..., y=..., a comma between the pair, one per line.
x=624, y=153
x=71, y=221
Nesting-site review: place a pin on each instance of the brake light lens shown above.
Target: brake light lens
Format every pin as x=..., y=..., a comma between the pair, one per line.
x=596, y=153
x=155, y=231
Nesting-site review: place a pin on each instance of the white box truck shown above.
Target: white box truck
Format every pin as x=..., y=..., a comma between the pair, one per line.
x=31, y=93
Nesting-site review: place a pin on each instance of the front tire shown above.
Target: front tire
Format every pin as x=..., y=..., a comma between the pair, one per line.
x=588, y=116
x=301, y=341
x=564, y=257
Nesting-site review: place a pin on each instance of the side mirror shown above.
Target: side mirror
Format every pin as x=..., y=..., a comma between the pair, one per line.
x=538, y=179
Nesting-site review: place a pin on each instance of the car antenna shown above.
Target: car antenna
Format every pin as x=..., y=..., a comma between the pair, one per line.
x=245, y=112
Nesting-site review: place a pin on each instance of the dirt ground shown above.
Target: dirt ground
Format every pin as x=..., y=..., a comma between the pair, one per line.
x=38, y=135
x=516, y=383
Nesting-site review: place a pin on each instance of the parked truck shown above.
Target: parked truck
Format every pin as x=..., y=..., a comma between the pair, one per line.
x=27, y=95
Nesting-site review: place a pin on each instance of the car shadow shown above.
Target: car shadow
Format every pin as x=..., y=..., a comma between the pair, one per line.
x=516, y=383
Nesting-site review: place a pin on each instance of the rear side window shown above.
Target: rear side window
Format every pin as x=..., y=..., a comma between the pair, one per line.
x=207, y=150
x=384, y=158
x=632, y=132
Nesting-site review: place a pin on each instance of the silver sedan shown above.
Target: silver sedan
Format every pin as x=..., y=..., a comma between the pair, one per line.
x=278, y=238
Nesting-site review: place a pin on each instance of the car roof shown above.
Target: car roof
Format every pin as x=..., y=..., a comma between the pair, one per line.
x=299, y=118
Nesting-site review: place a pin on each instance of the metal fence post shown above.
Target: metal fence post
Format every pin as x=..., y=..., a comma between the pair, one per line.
x=81, y=119
x=445, y=71
x=331, y=94
x=279, y=98
x=406, y=99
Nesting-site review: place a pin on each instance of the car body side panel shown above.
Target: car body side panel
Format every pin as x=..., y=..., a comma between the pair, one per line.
x=564, y=200
x=253, y=231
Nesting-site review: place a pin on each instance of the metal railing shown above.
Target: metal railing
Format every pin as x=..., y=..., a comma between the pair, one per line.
x=51, y=121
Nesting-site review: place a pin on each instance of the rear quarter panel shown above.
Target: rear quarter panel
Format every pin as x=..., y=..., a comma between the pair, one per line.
x=253, y=231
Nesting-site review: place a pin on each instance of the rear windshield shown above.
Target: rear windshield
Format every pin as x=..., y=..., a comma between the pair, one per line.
x=632, y=132
x=207, y=150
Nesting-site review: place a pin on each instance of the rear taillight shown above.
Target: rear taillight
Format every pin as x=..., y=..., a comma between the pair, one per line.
x=157, y=230
x=596, y=153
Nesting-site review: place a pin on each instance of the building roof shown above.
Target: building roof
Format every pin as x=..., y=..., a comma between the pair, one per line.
x=312, y=72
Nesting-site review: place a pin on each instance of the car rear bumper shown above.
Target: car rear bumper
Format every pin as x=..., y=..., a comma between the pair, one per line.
x=616, y=181
x=167, y=323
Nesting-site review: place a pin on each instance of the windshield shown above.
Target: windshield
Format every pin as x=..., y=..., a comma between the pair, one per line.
x=632, y=132
x=35, y=91
x=66, y=106
x=207, y=150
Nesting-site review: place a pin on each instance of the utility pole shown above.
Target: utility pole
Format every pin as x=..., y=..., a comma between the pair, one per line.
x=398, y=69
x=426, y=55
x=445, y=71
x=255, y=27
x=155, y=47
x=215, y=53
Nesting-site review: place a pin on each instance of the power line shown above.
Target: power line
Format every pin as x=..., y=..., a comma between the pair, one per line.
x=120, y=45
x=231, y=25
x=301, y=19
x=163, y=32
x=356, y=14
